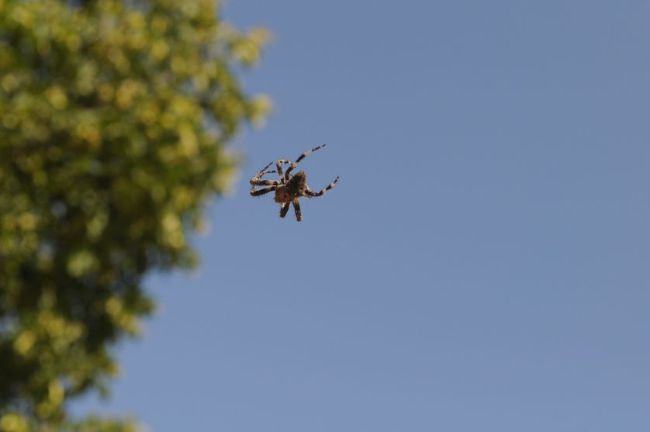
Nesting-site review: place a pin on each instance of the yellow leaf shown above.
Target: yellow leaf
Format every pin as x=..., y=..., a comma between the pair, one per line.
x=24, y=343
x=12, y=422
x=57, y=97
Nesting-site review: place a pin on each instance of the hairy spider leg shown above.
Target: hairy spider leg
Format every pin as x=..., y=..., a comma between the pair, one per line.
x=263, y=191
x=301, y=157
x=296, y=207
x=321, y=192
x=284, y=209
x=256, y=180
x=260, y=182
x=278, y=165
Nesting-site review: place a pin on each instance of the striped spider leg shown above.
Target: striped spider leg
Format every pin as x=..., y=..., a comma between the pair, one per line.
x=256, y=180
x=311, y=194
x=301, y=157
x=278, y=166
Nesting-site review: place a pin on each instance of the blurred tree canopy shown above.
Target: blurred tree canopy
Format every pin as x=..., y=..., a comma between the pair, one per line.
x=114, y=117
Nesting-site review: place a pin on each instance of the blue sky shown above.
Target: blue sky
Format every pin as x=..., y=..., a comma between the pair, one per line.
x=482, y=263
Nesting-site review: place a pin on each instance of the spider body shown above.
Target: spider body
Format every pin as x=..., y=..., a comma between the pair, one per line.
x=289, y=188
x=295, y=188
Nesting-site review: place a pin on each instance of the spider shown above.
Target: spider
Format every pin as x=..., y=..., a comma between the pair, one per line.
x=289, y=188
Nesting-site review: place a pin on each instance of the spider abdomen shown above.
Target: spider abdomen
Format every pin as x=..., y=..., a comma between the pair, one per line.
x=282, y=195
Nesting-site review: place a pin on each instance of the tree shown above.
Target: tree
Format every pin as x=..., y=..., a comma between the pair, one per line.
x=114, y=117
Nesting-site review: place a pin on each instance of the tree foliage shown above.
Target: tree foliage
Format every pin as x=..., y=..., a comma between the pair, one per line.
x=113, y=121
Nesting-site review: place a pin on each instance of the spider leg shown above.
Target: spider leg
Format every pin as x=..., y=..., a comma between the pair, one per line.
x=308, y=152
x=284, y=209
x=256, y=180
x=321, y=192
x=278, y=165
x=301, y=157
x=259, y=182
x=296, y=207
x=261, y=173
x=263, y=191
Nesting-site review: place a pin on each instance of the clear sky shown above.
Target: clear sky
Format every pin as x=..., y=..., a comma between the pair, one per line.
x=483, y=263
